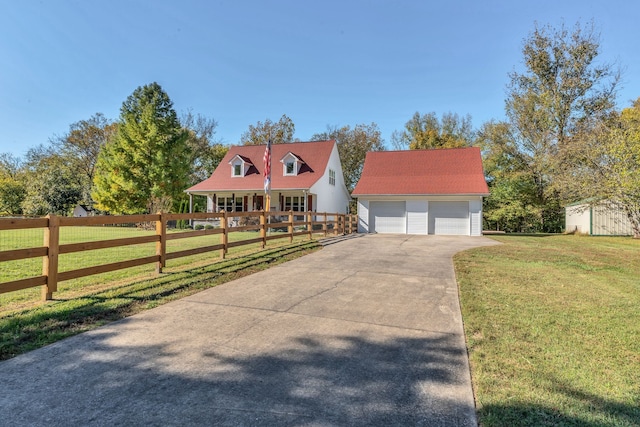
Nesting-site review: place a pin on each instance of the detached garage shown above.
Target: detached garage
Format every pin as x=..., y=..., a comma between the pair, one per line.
x=422, y=192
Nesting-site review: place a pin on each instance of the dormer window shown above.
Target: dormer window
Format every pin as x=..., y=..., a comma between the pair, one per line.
x=289, y=168
x=291, y=164
x=240, y=165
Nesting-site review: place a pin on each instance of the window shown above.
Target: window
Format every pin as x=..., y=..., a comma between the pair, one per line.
x=295, y=203
x=225, y=203
x=237, y=169
x=289, y=168
x=332, y=177
x=238, y=204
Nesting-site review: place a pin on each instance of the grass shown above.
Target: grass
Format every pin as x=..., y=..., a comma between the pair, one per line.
x=553, y=330
x=20, y=269
x=27, y=325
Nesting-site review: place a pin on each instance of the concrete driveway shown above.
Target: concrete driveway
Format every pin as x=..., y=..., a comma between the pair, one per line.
x=366, y=331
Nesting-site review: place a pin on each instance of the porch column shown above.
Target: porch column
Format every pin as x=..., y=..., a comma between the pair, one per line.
x=190, y=208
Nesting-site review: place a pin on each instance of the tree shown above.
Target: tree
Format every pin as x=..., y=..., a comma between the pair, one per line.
x=353, y=145
x=427, y=131
x=12, y=194
x=146, y=166
x=82, y=145
x=609, y=169
x=511, y=204
x=279, y=132
x=12, y=187
x=51, y=185
x=622, y=161
x=552, y=107
x=206, y=153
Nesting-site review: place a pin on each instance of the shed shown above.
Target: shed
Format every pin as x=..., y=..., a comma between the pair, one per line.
x=605, y=218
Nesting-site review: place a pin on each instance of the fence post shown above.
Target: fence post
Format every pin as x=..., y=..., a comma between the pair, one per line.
x=224, y=236
x=309, y=225
x=324, y=224
x=263, y=228
x=290, y=227
x=161, y=244
x=50, y=262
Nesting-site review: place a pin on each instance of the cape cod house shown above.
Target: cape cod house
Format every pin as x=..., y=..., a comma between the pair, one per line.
x=422, y=192
x=305, y=176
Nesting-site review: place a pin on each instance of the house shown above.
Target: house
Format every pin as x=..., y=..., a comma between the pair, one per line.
x=305, y=176
x=422, y=192
x=604, y=218
x=82, y=211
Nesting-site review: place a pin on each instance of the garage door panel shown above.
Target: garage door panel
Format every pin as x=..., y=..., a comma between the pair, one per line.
x=387, y=217
x=449, y=218
x=417, y=216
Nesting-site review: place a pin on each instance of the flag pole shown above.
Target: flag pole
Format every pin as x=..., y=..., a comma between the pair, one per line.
x=267, y=180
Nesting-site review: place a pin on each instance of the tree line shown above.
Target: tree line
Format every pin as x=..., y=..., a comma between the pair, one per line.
x=144, y=161
x=563, y=140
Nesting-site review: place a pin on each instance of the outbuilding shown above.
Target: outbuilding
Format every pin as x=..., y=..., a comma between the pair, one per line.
x=604, y=218
x=422, y=192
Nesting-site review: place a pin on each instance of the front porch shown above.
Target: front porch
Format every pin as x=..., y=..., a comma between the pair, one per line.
x=297, y=201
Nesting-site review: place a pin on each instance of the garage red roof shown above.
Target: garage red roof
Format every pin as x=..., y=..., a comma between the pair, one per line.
x=314, y=154
x=433, y=172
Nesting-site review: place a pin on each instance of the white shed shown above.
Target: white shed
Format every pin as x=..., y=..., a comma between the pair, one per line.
x=605, y=218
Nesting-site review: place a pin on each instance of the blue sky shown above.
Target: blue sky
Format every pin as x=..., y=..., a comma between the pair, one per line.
x=320, y=63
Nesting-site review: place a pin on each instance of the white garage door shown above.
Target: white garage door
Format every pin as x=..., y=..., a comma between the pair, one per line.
x=449, y=218
x=417, y=216
x=387, y=217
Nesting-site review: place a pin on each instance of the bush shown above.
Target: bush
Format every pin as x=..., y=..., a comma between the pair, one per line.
x=199, y=227
x=208, y=227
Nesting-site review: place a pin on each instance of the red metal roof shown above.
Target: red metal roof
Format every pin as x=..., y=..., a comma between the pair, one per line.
x=433, y=172
x=315, y=154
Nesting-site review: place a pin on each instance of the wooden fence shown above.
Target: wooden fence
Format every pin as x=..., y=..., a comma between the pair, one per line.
x=295, y=224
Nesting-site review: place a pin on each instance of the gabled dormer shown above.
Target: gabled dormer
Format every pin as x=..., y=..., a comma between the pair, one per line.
x=291, y=164
x=240, y=165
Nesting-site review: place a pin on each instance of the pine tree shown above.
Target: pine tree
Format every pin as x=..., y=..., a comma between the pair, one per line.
x=146, y=166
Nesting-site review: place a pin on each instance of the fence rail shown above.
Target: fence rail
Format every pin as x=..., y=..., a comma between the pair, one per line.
x=295, y=223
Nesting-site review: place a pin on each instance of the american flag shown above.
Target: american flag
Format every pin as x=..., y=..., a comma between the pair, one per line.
x=267, y=167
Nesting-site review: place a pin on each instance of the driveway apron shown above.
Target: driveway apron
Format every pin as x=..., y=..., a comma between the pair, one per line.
x=366, y=331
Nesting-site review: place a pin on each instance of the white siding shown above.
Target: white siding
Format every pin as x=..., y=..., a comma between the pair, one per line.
x=417, y=216
x=388, y=217
x=423, y=214
x=363, y=216
x=331, y=198
x=605, y=219
x=449, y=218
x=578, y=218
x=610, y=220
x=475, y=211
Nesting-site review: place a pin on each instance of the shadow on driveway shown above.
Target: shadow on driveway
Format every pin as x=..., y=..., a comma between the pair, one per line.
x=365, y=332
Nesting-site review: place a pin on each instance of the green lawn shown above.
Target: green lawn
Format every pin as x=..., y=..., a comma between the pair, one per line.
x=553, y=330
x=20, y=269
